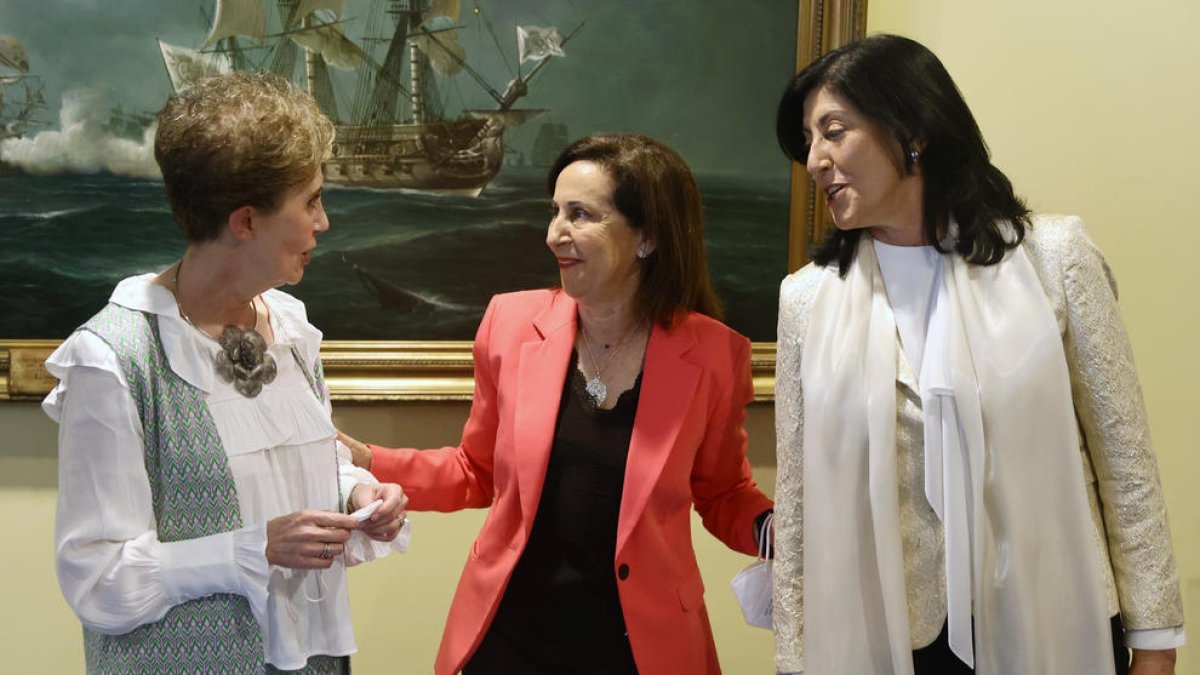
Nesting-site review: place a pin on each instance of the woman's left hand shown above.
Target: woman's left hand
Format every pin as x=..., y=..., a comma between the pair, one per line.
x=385, y=523
x=1153, y=662
x=360, y=453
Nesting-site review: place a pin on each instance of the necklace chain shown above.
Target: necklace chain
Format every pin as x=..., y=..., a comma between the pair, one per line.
x=188, y=319
x=595, y=387
x=243, y=359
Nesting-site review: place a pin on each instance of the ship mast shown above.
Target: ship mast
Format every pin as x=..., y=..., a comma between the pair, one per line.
x=386, y=94
x=416, y=96
x=310, y=62
x=231, y=47
x=416, y=63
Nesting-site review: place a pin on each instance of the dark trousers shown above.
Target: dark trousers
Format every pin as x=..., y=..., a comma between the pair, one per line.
x=937, y=659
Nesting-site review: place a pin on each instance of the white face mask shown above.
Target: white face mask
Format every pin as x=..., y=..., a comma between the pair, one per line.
x=753, y=586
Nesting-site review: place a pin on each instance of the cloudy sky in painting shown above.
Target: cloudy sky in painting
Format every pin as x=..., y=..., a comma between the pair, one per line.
x=703, y=75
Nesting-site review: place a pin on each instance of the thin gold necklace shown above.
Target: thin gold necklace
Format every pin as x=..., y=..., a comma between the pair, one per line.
x=188, y=319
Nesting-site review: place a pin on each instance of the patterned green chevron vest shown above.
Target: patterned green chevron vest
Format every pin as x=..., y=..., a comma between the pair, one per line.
x=193, y=495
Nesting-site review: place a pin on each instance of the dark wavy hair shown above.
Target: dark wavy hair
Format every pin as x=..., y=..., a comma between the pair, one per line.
x=903, y=87
x=654, y=189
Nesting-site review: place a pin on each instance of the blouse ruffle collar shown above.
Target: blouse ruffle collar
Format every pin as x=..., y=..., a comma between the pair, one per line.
x=187, y=353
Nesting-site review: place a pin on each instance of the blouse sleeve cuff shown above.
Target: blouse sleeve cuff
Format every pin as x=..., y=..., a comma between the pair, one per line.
x=228, y=562
x=1156, y=638
x=350, y=476
x=250, y=555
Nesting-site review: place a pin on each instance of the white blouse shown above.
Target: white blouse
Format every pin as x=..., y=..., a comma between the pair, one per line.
x=115, y=573
x=910, y=277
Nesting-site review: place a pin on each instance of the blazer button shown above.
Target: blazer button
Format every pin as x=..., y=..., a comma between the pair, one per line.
x=623, y=572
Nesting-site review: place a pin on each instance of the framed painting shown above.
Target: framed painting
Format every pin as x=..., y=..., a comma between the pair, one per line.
x=419, y=240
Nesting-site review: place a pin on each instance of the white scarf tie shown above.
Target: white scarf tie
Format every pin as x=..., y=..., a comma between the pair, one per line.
x=1002, y=473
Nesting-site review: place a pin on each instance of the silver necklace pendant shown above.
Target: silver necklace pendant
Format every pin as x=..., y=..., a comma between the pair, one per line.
x=597, y=390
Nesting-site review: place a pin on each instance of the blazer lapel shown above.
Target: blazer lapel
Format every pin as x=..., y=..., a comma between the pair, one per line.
x=541, y=375
x=669, y=385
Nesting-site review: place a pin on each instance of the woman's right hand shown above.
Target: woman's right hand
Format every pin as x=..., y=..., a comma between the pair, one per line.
x=1153, y=662
x=308, y=539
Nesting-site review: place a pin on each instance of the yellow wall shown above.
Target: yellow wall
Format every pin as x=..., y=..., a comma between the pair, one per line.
x=1092, y=107
x=399, y=604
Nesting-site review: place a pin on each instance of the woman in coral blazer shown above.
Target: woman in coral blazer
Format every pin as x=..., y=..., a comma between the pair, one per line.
x=601, y=413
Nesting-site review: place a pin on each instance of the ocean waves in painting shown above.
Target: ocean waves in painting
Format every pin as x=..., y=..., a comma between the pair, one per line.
x=393, y=266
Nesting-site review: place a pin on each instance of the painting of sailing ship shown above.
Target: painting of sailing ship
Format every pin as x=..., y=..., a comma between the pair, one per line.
x=447, y=113
x=395, y=132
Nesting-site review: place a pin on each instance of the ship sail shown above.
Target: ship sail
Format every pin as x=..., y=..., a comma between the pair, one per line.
x=306, y=7
x=437, y=38
x=186, y=66
x=331, y=43
x=439, y=42
x=446, y=8
x=12, y=54
x=237, y=17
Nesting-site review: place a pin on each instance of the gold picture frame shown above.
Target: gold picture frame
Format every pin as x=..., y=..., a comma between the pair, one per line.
x=359, y=370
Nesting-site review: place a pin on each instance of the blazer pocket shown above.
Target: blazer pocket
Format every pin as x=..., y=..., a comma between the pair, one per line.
x=691, y=593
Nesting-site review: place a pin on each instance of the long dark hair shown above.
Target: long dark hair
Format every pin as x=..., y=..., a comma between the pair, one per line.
x=656, y=191
x=904, y=88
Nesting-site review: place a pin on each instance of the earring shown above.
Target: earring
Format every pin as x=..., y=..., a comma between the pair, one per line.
x=914, y=155
x=641, y=252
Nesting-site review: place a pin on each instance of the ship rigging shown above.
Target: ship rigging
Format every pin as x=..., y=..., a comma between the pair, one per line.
x=393, y=130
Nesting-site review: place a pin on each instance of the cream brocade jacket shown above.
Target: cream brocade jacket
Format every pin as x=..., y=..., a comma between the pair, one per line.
x=1132, y=539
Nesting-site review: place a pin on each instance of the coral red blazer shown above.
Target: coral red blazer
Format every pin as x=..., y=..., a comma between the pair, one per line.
x=688, y=447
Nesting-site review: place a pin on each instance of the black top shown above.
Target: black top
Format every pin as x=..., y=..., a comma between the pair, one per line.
x=561, y=612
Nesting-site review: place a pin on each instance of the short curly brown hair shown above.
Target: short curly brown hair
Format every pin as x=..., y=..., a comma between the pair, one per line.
x=243, y=139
